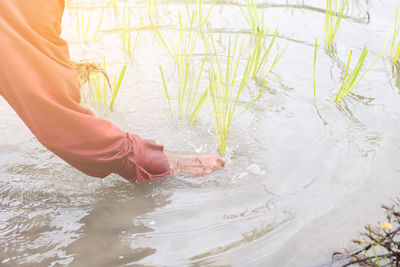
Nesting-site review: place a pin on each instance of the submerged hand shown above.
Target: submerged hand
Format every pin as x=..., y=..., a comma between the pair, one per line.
x=195, y=165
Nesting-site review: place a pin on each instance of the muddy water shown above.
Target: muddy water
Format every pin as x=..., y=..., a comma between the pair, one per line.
x=299, y=183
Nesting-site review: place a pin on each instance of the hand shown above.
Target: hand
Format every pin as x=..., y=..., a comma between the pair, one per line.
x=195, y=165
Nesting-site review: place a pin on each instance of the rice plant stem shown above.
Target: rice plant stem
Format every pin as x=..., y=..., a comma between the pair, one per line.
x=117, y=86
x=315, y=61
x=166, y=91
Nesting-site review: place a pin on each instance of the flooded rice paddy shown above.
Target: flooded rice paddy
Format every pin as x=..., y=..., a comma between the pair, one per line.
x=301, y=180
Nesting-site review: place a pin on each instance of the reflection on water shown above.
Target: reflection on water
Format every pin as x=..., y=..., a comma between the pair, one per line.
x=108, y=229
x=300, y=181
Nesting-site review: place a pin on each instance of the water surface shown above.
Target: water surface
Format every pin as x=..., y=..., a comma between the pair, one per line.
x=300, y=181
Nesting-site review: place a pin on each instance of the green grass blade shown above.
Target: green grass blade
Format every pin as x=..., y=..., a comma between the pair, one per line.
x=315, y=62
x=166, y=91
x=117, y=86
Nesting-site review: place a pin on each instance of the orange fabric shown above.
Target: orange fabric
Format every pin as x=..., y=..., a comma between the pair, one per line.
x=39, y=83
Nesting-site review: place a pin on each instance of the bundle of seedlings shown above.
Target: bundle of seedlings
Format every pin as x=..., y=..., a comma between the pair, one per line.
x=85, y=68
x=226, y=86
x=88, y=73
x=380, y=245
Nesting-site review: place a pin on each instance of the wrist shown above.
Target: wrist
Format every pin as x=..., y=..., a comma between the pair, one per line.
x=173, y=163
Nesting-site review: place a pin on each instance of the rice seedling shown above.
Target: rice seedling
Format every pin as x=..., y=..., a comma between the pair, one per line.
x=195, y=102
x=202, y=16
x=315, y=63
x=166, y=91
x=251, y=16
x=117, y=85
x=333, y=17
x=352, y=78
x=226, y=88
x=165, y=43
x=69, y=3
x=394, y=50
x=126, y=33
x=349, y=81
x=193, y=97
x=190, y=98
x=114, y=3
x=186, y=45
x=261, y=51
x=152, y=9
x=397, y=54
x=84, y=22
x=188, y=35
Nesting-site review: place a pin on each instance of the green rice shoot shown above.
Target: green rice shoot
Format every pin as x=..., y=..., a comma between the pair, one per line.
x=190, y=97
x=333, y=17
x=226, y=87
x=261, y=51
x=84, y=23
x=352, y=78
x=166, y=91
x=117, y=85
x=251, y=16
x=315, y=63
x=394, y=49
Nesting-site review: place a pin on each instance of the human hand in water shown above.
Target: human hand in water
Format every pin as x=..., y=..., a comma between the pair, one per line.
x=195, y=165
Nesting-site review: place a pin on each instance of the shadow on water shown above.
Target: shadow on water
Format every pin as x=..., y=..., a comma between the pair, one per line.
x=364, y=139
x=324, y=121
x=331, y=52
x=110, y=227
x=42, y=225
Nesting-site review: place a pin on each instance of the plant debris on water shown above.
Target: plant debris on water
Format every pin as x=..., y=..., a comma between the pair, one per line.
x=378, y=245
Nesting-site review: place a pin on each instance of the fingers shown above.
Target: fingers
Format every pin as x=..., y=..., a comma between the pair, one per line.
x=220, y=163
x=195, y=165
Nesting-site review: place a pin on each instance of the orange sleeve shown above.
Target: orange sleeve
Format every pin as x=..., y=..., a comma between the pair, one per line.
x=37, y=80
